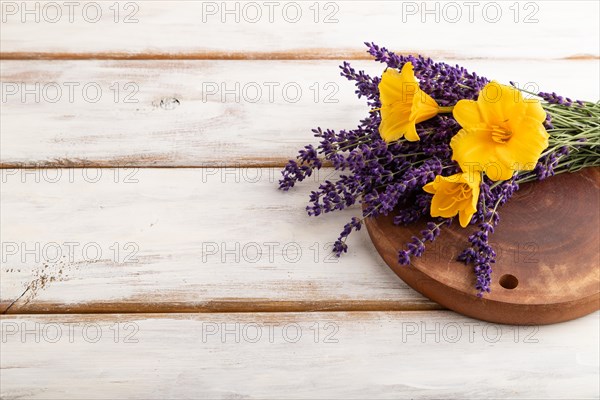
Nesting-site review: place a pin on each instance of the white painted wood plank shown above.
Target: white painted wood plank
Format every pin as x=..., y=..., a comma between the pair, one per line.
x=208, y=126
x=418, y=355
x=525, y=29
x=180, y=239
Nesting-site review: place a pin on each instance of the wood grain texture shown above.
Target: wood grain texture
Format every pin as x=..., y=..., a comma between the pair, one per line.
x=295, y=356
x=217, y=250
x=176, y=120
x=546, y=270
x=167, y=240
x=310, y=29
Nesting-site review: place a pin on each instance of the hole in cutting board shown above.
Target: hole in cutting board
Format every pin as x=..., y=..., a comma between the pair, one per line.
x=508, y=281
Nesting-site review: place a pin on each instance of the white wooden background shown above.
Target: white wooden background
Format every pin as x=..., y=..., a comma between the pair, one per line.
x=146, y=252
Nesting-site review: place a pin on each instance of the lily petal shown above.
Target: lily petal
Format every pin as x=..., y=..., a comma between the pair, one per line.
x=430, y=187
x=393, y=120
x=466, y=113
x=464, y=218
x=535, y=110
x=528, y=141
x=390, y=86
x=441, y=206
x=494, y=104
x=473, y=149
x=411, y=133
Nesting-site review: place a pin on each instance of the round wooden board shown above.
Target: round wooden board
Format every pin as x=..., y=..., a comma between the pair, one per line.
x=548, y=264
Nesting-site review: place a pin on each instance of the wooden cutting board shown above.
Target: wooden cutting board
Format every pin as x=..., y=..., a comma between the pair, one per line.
x=548, y=264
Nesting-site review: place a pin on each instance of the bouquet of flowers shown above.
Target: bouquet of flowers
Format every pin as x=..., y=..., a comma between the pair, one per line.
x=440, y=142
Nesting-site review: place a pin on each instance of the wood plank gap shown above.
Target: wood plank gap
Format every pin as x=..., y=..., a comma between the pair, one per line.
x=218, y=306
x=301, y=54
x=69, y=164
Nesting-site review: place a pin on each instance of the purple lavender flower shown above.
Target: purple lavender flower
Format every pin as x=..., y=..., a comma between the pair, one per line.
x=388, y=178
x=416, y=246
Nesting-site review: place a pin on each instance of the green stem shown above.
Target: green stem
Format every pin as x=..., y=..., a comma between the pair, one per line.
x=495, y=208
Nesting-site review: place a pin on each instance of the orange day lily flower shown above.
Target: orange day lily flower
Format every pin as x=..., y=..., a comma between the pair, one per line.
x=501, y=132
x=403, y=104
x=455, y=194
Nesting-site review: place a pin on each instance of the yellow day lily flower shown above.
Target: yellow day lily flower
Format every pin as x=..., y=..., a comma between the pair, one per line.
x=456, y=194
x=403, y=104
x=502, y=132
